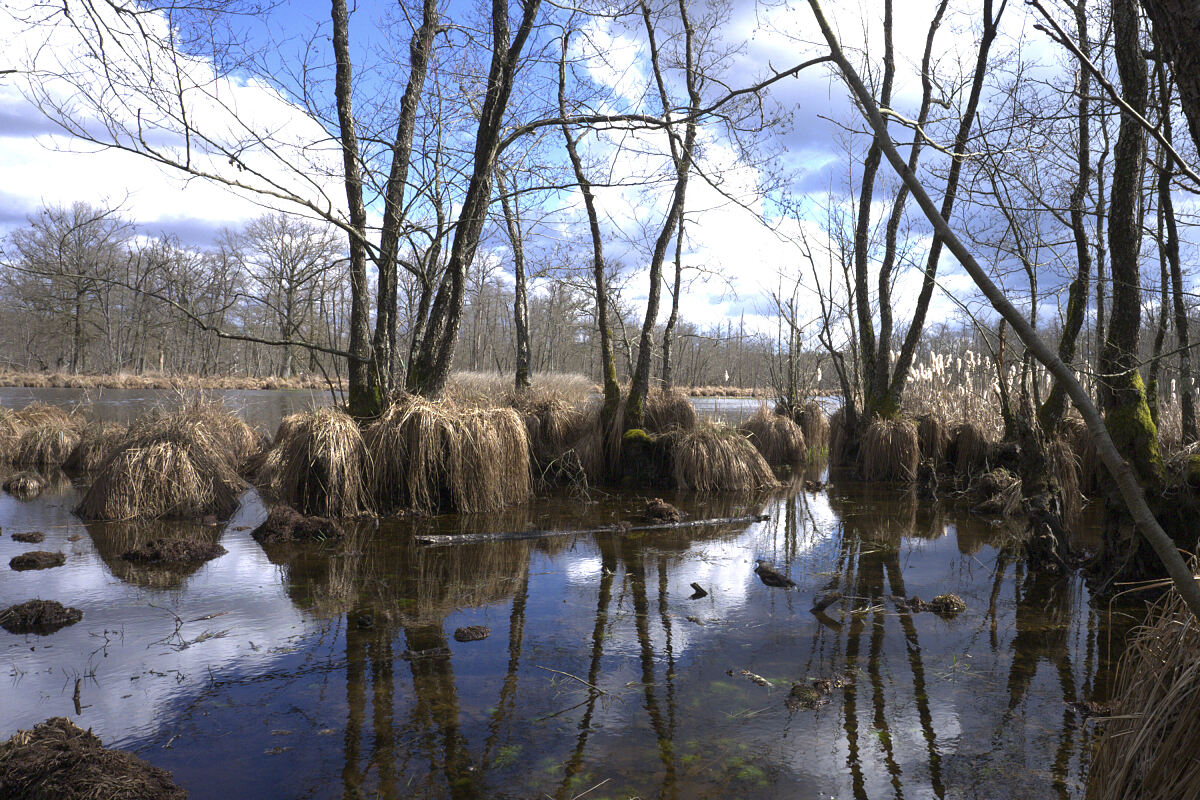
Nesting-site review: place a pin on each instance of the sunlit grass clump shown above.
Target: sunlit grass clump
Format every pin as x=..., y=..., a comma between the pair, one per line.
x=433, y=457
x=713, y=458
x=889, y=450
x=319, y=465
x=777, y=437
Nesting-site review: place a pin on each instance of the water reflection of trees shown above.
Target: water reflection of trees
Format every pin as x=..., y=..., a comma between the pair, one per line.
x=112, y=539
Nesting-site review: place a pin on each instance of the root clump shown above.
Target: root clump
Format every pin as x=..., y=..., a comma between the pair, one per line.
x=173, y=550
x=29, y=537
x=42, y=617
x=659, y=510
x=37, y=559
x=57, y=760
x=285, y=524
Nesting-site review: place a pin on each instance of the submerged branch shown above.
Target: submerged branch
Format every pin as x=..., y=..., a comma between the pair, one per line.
x=437, y=539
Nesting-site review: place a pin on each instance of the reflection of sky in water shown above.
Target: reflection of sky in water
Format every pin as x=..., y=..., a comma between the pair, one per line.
x=289, y=704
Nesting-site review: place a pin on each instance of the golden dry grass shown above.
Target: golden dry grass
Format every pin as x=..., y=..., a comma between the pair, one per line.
x=1148, y=745
x=889, y=451
x=713, y=458
x=776, y=436
x=837, y=437
x=161, y=381
x=969, y=449
x=163, y=478
x=47, y=443
x=485, y=389
x=179, y=464
x=814, y=424
x=933, y=438
x=96, y=444
x=434, y=457
x=319, y=465
x=11, y=428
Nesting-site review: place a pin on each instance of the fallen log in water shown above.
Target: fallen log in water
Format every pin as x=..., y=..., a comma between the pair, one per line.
x=508, y=536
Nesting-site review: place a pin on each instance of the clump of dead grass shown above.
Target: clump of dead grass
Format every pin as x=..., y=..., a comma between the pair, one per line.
x=997, y=493
x=889, y=451
x=776, y=436
x=712, y=458
x=161, y=478
x=554, y=425
x=96, y=444
x=57, y=759
x=434, y=457
x=482, y=389
x=814, y=424
x=11, y=428
x=969, y=449
x=837, y=437
x=319, y=464
x=933, y=438
x=1148, y=744
x=47, y=444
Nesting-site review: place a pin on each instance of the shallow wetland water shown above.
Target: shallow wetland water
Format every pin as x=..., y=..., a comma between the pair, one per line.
x=324, y=671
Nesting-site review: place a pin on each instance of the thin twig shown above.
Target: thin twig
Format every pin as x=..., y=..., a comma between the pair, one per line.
x=575, y=677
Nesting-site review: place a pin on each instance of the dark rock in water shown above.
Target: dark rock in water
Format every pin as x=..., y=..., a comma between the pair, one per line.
x=659, y=510
x=30, y=537
x=74, y=537
x=364, y=621
x=947, y=605
x=169, y=550
x=38, y=616
x=916, y=605
x=60, y=760
x=286, y=524
x=825, y=601
x=472, y=633
x=696, y=595
x=803, y=696
x=772, y=577
x=37, y=559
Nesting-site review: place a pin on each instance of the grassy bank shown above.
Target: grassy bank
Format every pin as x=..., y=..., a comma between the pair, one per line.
x=156, y=380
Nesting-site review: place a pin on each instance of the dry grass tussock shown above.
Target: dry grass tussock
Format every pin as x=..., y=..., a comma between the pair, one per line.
x=555, y=426
x=889, y=451
x=776, y=436
x=435, y=457
x=47, y=444
x=837, y=437
x=814, y=424
x=180, y=464
x=714, y=458
x=970, y=447
x=1148, y=746
x=933, y=438
x=96, y=444
x=486, y=389
x=599, y=450
x=25, y=485
x=318, y=464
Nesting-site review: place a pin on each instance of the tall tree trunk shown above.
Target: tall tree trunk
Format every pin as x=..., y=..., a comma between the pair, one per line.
x=1177, y=32
x=512, y=221
x=608, y=367
x=1170, y=245
x=669, y=330
x=364, y=399
x=431, y=368
x=1054, y=409
x=386, y=361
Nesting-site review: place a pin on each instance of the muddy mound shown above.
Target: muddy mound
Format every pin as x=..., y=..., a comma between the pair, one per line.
x=173, y=550
x=37, y=559
x=286, y=524
x=61, y=761
x=29, y=537
x=659, y=510
x=38, y=616
x=472, y=633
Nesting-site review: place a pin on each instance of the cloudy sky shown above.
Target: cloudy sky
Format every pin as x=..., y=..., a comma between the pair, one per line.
x=748, y=245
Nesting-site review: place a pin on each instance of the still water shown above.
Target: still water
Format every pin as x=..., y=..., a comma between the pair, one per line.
x=324, y=671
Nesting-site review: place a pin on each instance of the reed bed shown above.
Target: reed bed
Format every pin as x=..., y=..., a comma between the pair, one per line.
x=433, y=457
x=777, y=437
x=162, y=380
x=1148, y=746
x=969, y=450
x=318, y=464
x=713, y=458
x=482, y=389
x=889, y=451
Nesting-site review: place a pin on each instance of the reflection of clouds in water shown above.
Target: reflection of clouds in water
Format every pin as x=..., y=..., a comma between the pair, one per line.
x=135, y=679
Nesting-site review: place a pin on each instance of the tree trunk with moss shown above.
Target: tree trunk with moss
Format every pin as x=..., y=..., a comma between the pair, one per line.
x=1122, y=393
